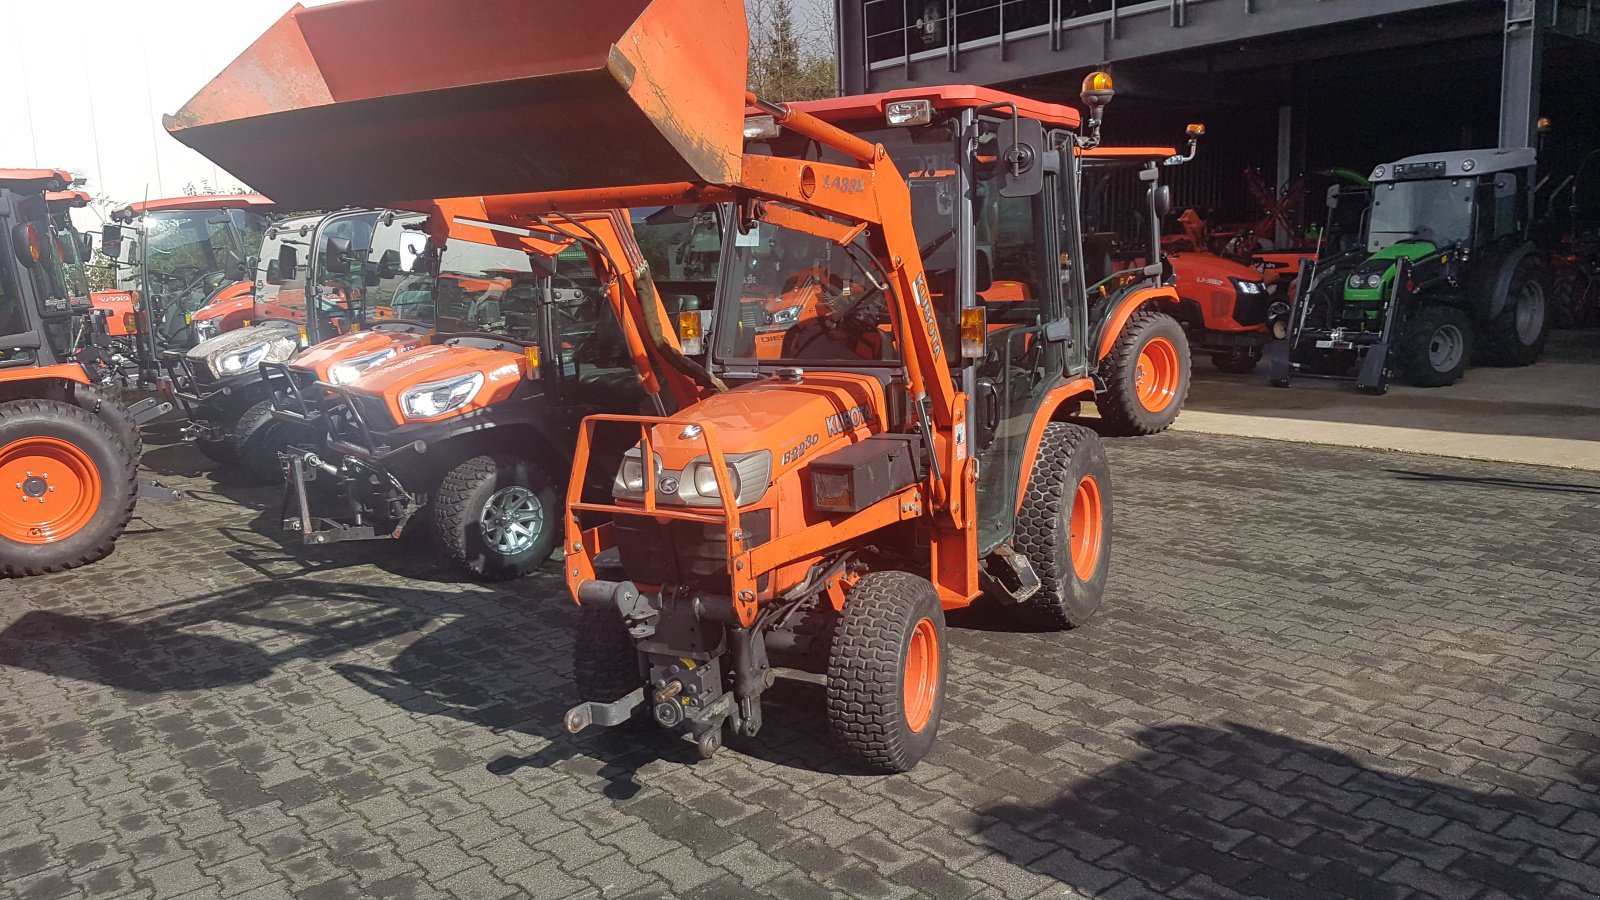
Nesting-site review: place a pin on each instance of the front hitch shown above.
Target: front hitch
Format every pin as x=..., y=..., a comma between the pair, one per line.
x=604, y=714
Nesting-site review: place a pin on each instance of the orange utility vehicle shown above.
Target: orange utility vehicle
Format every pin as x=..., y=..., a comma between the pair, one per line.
x=188, y=263
x=515, y=341
x=68, y=450
x=908, y=452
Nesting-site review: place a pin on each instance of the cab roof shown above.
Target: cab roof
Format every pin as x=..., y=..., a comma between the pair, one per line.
x=68, y=199
x=1450, y=163
x=199, y=202
x=35, y=179
x=942, y=96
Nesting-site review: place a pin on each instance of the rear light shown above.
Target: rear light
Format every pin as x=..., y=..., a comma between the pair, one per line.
x=29, y=248
x=130, y=322
x=531, y=354
x=905, y=113
x=974, y=332
x=690, y=333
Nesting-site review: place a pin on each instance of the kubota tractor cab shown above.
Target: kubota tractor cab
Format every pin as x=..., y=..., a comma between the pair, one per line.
x=476, y=424
x=1225, y=307
x=220, y=382
x=1445, y=275
x=68, y=451
x=905, y=452
x=189, y=263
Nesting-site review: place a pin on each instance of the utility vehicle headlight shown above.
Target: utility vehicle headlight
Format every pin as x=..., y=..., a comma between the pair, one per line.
x=786, y=316
x=630, y=480
x=427, y=401
x=350, y=369
x=234, y=362
x=747, y=479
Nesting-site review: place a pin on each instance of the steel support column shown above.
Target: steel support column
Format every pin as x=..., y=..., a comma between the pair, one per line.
x=1519, y=74
x=850, y=47
x=1285, y=163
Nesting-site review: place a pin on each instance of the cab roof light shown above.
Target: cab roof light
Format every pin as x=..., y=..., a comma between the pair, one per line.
x=905, y=113
x=760, y=128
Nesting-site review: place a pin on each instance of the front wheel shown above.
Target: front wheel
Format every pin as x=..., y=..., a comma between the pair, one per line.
x=1435, y=347
x=1516, y=337
x=67, y=487
x=1146, y=375
x=886, y=671
x=254, y=442
x=497, y=516
x=1064, y=527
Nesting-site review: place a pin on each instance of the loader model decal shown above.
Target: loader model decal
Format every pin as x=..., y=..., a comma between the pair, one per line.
x=850, y=419
x=843, y=184
x=920, y=288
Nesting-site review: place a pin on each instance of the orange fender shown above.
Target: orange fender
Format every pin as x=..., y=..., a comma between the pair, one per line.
x=1066, y=392
x=65, y=371
x=1125, y=309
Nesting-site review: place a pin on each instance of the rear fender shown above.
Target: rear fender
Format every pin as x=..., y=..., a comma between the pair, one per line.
x=40, y=381
x=1122, y=308
x=1488, y=293
x=1059, y=403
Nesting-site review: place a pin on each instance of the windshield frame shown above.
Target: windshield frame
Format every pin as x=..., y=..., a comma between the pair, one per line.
x=1403, y=195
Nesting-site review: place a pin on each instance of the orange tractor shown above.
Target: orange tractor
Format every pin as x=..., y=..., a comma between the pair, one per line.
x=68, y=451
x=907, y=451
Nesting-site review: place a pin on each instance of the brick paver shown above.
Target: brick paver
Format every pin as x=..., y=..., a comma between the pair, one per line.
x=1318, y=673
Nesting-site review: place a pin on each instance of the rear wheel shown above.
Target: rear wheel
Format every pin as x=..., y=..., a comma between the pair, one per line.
x=1563, y=294
x=1146, y=375
x=497, y=516
x=886, y=671
x=1435, y=347
x=67, y=487
x=1516, y=337
x=1064, y=527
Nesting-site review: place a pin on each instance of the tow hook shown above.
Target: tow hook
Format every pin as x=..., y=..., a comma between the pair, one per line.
x=603, y=714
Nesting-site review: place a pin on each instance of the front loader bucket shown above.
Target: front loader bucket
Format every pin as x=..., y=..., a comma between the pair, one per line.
x=371, y=102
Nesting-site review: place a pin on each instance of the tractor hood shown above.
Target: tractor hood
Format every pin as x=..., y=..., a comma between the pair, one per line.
x=794, y=421
x=408, y=100
x=243, y=350
x=500, y=372
x=1381, y=265
x=321, y=358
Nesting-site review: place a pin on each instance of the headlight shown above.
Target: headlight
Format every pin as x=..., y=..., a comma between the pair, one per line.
x=1249, y=287
x=1374, y=281
x=630, y=480
x=747, y=478
x=237, y=361
x=347, y=371
x=786, y=316
x=1356, y=282
x=204, y=329
x=427, y=401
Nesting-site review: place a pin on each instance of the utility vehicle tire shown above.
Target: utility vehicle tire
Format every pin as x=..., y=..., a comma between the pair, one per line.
x=497, y=516
x=105, y=403
x=1516, y=337
x=1562, y=294
x=605, y=664
x=1434, y=347
x=255, y=439
x=1235, y=365
x=79, y=481
x=1146, y=375
x=886, y=671
x=1064, y=528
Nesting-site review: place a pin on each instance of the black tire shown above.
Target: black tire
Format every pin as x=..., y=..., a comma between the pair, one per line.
x=1516, y=337
x=605, y=665
x=113, y=467
x=254, y=440
x=458, y=515
x=1434, y=347
x=104, y=402
x=867, y=671
x=1120, y=373
x=1069, y=456
x=1563, y=292
x=1235, y=365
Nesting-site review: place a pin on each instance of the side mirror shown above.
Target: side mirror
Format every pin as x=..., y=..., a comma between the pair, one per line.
x=1021, y=148
x=370, y=274
x=85, y=246
x=1161, y=198
x=25, y=241
x=288, y=263
x=274, y=272
x=388, y=266
x=111, y=240
x=336, y=256
x=1333, y=196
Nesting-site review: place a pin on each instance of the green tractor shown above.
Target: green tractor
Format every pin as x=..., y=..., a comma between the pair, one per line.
x=1444, y=275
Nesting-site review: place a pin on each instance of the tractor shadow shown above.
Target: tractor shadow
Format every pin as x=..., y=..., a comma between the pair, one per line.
x=1236, y=811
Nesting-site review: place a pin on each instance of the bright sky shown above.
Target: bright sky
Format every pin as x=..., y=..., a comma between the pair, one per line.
x=94, y=91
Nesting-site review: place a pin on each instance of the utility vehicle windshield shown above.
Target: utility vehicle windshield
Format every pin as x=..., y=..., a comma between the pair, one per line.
x=683, y=245
x=806, y=299
x=181, y=257
x=1438, y=211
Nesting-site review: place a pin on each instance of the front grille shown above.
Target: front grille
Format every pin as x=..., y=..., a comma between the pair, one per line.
x=1251, y=309
x=683, y=553
x=372, y=410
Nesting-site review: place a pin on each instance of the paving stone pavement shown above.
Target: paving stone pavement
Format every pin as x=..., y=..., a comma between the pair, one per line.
x=1318, y=673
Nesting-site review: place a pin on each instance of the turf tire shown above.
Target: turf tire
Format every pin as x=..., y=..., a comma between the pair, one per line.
x=605, y=665
x=1119, y=405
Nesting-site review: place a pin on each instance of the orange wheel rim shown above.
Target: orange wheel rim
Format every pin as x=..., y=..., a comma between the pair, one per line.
x=1156, y=374
x=1086, y=532
x=922, y=674
x=49, y=490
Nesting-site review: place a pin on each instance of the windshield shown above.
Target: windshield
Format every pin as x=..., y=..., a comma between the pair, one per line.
x=490, y=289
x=280, y=294
x=683, y=245
x=180, y=258
x=806, y=298
x=1438, y=211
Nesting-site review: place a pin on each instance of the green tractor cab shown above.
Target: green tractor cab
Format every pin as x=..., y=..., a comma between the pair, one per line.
x=1444, y=275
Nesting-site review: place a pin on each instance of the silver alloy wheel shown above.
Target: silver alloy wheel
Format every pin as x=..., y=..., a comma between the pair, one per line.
x=1445, y=348
x=512, y=520
x=1530, y=312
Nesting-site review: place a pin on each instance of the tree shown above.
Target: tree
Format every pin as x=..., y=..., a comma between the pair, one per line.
x=791, y=55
